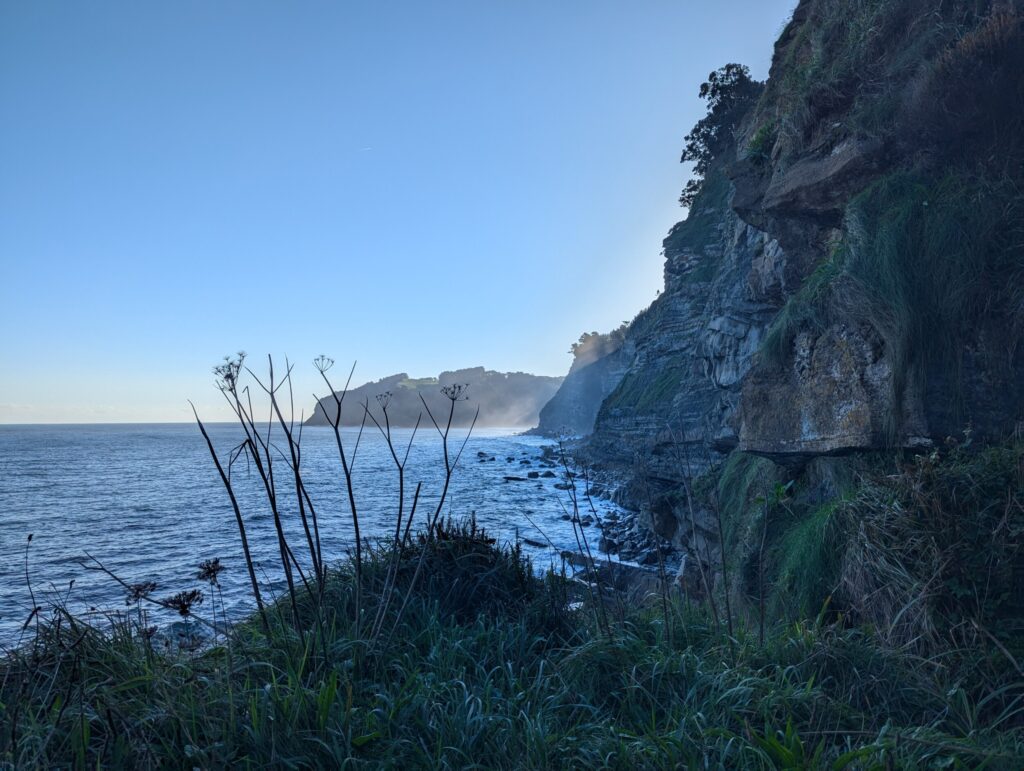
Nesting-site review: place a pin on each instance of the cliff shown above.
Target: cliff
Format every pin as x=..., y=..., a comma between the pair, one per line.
x=889, y=174
x=599, y=363
x=506, y=399
x=848, y=278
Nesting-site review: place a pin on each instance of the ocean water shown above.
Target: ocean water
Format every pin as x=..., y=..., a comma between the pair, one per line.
x=146, y=500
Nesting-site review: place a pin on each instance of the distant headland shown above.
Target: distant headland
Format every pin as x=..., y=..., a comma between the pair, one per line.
x=507, y=399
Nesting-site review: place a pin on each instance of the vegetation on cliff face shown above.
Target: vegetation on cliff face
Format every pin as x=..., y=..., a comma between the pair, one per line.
x=924, y=261
x=927, y=551
x=929, y=246
x=886, y=157
x=870, y=68
x=729, y=92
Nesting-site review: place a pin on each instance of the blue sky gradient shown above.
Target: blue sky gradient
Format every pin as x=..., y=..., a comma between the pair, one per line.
x=416, y=186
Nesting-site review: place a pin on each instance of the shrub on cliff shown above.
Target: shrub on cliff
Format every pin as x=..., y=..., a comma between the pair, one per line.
x=730, y=93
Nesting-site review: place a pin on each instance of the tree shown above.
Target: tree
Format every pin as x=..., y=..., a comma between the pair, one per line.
x=729, y=92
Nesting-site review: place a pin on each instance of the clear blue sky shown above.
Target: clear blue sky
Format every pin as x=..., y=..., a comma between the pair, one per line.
x=418, y=186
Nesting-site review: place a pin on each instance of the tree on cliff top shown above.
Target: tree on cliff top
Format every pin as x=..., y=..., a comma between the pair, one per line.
x=729, y=92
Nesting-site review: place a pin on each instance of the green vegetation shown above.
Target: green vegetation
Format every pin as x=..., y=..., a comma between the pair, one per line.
x=640, y=391
x=742, y=480
x=807, y=309
x=730, y=93
x=490, y=666
x=806, y=565
x=923, y=260
x=927, y=551
x=850, y=59
x=931, y=258
x=760, y=147
x=702, y=227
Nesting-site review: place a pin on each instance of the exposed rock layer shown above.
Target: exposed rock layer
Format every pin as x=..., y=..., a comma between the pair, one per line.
x=771, y=249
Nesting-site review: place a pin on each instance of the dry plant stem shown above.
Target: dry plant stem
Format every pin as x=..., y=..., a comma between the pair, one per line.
x=998, y=644
x=293, y=451
x=582, y=545
x=298, y=448
x=97, y=565
x=392, y=573
x=721, y=540
x=586, y=543
x=31, y=593
x=707, y=553
x=662, y=577
x=258, y=450
x=396, y=559
x=590, y=564
x=539, y=530
x=693, y=530
x=449, y=464
x=449, y=468
x=760, y=572
x=239, y=521
x=412, y=513
x=346, y=468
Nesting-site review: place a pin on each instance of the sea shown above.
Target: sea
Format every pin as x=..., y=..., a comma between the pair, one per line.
x=146, y=502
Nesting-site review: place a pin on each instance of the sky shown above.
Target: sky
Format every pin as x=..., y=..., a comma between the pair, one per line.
x=411, y=186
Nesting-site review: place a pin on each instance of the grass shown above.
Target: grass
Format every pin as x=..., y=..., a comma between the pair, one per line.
x=926, y=550
x=805, y=310
x=807, y=572
x=491, y=667
x=639, y=391
x=848, y=61
x=760, y=146
x=743, y=479
x=701, y=231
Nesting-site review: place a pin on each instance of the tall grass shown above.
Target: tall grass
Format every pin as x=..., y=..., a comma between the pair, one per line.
x=490, y=667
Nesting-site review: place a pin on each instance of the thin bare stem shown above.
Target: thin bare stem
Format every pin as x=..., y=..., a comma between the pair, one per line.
x=239, y=520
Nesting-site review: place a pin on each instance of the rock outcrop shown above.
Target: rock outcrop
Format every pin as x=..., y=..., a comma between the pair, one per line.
x=847, y=279
x=857, y=370
x=598, y=367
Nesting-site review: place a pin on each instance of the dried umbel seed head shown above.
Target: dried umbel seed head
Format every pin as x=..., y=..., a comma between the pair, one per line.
x=323, y=363
x=384, y=399
x=210, y=570
x=228, y=372
x=456, y=391
x=138, y=592
x=183, y=602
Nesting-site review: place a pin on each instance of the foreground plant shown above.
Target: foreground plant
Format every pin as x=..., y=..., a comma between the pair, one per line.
x=489, y=666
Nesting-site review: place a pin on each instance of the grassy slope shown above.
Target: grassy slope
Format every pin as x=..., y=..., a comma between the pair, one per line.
x=491, y=668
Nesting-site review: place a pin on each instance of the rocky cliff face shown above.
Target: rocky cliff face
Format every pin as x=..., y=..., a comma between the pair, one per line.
x=599, y=363
x=691, y=350
x=896, y=292
x=849, y=276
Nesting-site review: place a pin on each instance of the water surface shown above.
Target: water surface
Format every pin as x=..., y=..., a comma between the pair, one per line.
x=147, y=501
